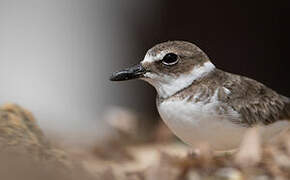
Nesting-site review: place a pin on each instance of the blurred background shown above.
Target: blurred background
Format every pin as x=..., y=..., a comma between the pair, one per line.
x=56, y=56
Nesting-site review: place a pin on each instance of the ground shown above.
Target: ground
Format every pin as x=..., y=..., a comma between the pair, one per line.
x=27, y=154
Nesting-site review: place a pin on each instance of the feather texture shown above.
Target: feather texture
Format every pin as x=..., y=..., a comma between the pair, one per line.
x=255, y=102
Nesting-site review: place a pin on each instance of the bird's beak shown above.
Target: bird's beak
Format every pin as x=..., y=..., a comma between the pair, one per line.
x=134, y=72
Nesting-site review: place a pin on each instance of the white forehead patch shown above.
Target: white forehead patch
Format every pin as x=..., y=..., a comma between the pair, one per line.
x=168, y=85
x=149, y=58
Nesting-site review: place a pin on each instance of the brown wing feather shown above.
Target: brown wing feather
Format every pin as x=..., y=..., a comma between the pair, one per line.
x=255, y=102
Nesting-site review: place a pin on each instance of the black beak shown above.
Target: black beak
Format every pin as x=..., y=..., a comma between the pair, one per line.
x=134, y=72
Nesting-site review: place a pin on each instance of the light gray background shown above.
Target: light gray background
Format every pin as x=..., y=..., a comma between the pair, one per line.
x=56, y=57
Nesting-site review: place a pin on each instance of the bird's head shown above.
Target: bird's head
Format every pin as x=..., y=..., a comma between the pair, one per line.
x=170, y=67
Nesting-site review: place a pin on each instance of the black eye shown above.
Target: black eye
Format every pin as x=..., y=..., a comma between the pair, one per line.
x=170, y=59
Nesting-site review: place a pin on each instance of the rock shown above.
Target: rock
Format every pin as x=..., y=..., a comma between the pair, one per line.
x=20, y=133
x=26, y=153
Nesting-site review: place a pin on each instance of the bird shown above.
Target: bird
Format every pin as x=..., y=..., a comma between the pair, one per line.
x=202, y=103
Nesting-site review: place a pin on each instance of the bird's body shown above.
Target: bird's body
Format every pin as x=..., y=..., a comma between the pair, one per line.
x=221, y=107
x=200, y=102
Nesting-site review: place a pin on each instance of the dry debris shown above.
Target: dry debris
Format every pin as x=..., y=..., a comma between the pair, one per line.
x=128, y=158
x=254, y=160
x=248, y=157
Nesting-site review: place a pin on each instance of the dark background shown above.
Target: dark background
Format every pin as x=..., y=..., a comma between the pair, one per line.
x=247, y=38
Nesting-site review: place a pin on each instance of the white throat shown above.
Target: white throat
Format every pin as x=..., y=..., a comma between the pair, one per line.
x=166, y=85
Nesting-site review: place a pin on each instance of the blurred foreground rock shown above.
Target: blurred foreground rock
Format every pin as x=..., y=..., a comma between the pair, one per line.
x=26, y=154
x=19, y=133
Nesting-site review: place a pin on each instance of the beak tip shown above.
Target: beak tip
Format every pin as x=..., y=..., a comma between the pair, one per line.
x=129, y=73
x=113, y=77
x=118, y=76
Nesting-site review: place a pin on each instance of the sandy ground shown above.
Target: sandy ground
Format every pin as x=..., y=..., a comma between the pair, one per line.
x=26, y=153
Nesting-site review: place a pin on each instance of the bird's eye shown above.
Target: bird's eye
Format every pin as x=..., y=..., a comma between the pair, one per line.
x=170, y=59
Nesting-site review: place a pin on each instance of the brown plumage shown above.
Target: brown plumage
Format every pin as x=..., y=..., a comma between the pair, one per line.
x=187, y=52
x=255, y=102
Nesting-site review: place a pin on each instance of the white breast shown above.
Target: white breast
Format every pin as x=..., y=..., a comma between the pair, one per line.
x=199, y=122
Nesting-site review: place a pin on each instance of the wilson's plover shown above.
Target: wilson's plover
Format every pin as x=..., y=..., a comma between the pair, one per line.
x=200, y=102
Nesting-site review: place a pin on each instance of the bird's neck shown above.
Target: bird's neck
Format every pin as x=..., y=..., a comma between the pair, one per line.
x=171, y=86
